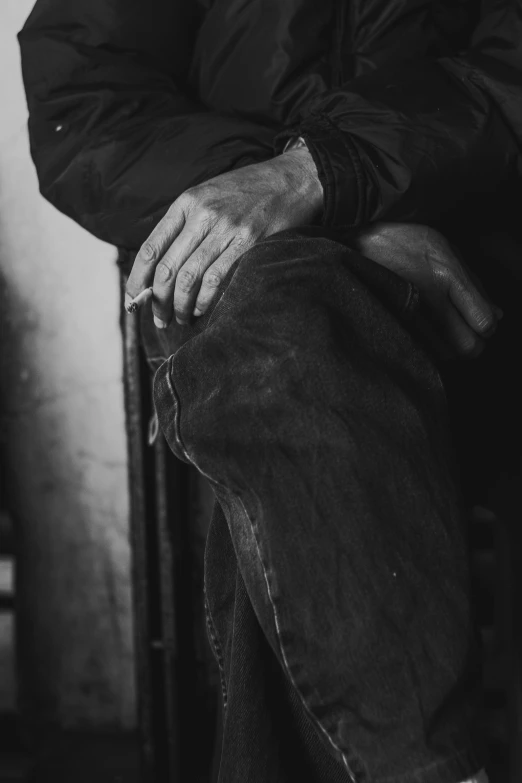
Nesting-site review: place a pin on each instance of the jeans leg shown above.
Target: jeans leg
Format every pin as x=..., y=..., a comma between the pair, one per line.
x=321, y=424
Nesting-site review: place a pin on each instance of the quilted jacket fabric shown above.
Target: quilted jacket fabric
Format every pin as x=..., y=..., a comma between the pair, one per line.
x=410, y=108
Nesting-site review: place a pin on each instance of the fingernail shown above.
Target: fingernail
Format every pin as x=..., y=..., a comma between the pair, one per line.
x=196, y=312
x=180, y=322
x=159, y=323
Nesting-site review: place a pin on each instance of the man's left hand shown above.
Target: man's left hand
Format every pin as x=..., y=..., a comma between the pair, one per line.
x=463, y=314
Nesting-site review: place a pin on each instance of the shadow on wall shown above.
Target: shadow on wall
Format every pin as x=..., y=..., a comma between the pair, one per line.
x=62, y=442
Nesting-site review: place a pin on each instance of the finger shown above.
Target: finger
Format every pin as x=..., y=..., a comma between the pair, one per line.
x=190, y=276
x=153, y=249
x=474, y=307
x=167, y=271
x=480, y=288
x=468, y=271
x=462, y=337
x=215, y=275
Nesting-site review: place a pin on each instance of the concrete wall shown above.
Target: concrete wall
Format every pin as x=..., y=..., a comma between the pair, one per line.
x=63, y=440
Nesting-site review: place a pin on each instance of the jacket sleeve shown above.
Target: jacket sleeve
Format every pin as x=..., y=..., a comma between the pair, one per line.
x=114, y=135
x=422, y=138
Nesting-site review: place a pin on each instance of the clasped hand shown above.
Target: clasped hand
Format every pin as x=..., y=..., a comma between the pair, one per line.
x=463, y=315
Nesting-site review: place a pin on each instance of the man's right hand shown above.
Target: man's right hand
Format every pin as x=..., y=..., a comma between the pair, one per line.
x=212, y=224
x=463, y=314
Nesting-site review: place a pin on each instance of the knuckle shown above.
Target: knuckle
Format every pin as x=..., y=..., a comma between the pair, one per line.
x=211, y=214
x=148, y=252
x=212, y=279
x=245, y=236
x=186, y=280
x=233, y=223
x=228, y=224
x=187, y=199
x=164, y=272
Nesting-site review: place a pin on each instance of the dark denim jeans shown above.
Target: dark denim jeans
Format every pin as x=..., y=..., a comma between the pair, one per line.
x=336, y=568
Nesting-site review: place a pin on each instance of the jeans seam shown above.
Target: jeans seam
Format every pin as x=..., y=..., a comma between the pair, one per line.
x=190, y=459
x=210, y=623
x=283, y=654
x=218, y=653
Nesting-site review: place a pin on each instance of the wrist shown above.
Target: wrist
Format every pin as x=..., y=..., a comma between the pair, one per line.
x=306, y=177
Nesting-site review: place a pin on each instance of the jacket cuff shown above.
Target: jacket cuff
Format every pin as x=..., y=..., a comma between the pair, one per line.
x=338, y=165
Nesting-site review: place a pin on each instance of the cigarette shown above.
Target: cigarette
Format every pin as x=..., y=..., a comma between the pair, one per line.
x=135, y=303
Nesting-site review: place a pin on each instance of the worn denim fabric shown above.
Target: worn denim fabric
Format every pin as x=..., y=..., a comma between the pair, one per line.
x=336, y=567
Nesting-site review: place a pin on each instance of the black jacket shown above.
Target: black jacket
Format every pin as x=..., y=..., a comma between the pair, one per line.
x=408, y=106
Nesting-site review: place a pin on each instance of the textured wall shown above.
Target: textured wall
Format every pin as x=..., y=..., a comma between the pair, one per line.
x=62, y=438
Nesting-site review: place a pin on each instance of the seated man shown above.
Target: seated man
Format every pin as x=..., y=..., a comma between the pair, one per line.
x=285, y=171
